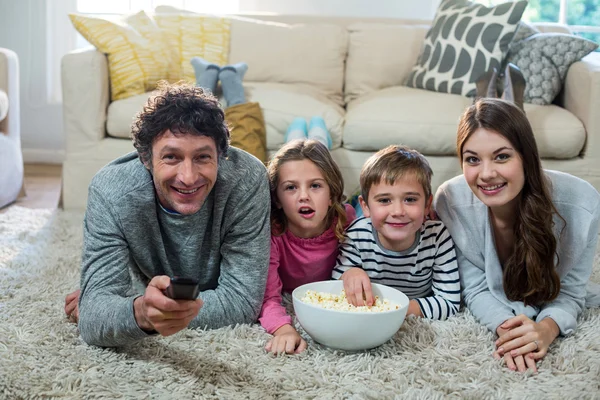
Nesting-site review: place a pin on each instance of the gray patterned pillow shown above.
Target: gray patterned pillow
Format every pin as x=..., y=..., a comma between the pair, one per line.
x=524, y=30
x=465, y=40
x=544, y=60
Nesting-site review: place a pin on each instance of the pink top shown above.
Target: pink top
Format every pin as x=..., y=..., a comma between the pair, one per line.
x=295, y=261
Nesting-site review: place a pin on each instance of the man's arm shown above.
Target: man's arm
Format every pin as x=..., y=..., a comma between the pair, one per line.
x=106, y=315
x=244, y=258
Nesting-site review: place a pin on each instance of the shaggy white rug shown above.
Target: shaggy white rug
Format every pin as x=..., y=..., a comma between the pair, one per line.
x=42, y=356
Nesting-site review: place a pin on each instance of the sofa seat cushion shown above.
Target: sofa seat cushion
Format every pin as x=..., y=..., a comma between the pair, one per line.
x=280, y=104
x=121, y=113
x=427, y=121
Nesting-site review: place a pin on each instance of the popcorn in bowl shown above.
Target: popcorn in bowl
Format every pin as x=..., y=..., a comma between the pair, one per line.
x=339, y=302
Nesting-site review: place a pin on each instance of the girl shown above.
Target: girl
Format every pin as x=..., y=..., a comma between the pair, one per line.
x=307, y=223
x=525, y=237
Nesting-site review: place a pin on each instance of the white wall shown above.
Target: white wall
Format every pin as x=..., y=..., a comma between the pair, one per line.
x=24, y=28
x=405, y=9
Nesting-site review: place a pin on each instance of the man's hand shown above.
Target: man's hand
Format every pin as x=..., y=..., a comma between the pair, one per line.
x=358, y=287
x=286, y=339
x=522, y=341
x=155, y=311
x=72, y=306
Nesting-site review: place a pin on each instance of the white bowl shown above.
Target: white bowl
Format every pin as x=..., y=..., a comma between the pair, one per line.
x=349, y=330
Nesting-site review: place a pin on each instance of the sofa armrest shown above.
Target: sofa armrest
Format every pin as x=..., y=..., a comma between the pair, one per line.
x=581, y=96
x=86, y=95
x=9, y=82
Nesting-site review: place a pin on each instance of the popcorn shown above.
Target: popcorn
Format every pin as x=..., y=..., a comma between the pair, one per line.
x=340, y=303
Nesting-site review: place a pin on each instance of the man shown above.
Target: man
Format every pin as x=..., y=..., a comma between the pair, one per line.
x=185, y=204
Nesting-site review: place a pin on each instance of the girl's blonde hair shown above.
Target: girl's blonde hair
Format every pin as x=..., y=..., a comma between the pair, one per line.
x=316, y=152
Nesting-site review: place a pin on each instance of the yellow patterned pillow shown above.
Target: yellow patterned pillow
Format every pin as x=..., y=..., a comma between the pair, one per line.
x=138, y=55
x=195, y=35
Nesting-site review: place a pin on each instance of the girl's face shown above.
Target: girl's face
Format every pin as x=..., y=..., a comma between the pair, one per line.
x=304, y=196
x=493, y=169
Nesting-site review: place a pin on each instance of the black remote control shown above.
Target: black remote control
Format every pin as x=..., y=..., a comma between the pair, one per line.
x=183, y=289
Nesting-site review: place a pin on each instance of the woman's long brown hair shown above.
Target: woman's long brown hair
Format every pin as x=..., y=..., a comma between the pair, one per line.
x=316, y=152
x=529, y=274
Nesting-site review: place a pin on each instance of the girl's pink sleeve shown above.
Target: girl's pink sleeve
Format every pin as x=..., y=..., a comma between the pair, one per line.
x=273, y=314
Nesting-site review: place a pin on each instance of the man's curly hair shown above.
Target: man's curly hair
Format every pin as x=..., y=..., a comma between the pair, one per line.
x=181, y=108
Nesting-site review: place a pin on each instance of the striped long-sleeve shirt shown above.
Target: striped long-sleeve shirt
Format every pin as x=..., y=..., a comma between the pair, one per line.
x=426, y=272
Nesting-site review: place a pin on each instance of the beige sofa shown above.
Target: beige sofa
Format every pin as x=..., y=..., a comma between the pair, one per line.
x=11, y=158
x=349, y=71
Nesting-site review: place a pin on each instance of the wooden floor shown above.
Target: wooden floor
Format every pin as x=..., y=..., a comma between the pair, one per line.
x=42, y=186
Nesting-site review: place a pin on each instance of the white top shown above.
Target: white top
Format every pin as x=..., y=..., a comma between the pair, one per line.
x=467, y=219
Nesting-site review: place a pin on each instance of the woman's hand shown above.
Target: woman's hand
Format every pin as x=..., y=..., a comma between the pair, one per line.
x=519, y=363
x=522, y=341
x=286, y=340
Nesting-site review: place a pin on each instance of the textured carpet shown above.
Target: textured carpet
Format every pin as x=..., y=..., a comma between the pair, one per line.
x=41, y=355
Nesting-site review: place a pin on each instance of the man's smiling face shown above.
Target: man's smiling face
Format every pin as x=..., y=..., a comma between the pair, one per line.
x=184, y=170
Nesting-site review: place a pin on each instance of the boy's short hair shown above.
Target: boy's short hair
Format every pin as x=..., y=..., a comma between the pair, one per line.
x=392, y=163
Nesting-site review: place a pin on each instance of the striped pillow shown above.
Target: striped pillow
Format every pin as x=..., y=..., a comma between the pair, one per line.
x=195, y=35
x=138, y=54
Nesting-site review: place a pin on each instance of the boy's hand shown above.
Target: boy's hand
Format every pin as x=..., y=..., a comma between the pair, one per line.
x=358, y=287
x=414, y=309
x=286, y=340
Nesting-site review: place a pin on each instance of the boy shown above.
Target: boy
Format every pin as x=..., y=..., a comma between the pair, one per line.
x=394, y=245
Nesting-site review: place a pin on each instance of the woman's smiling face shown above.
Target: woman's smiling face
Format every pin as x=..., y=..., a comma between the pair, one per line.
x=492, y=168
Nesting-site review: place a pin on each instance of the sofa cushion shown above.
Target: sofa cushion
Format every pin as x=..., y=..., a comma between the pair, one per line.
x=380, y=56
x=280, y=104
x=137, y=59
x=544, y=59
x=427, y=121
x=194, y=35
x=3, y=105
x=464, y=41
x=296, y=54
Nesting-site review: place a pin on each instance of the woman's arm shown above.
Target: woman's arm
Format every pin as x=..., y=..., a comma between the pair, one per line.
x=475, y=290
x=484, y=306
x=571, y=299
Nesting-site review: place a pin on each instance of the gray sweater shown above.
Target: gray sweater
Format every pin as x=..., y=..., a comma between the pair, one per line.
x=129, y=238
x=467, y=219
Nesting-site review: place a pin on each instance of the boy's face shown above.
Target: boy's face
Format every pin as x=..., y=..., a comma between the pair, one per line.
x=397, y=211
x=184, y=169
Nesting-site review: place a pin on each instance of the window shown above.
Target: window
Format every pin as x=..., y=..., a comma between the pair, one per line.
x=582, y=16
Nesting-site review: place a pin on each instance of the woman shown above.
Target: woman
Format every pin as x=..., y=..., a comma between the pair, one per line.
x=525, y=237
